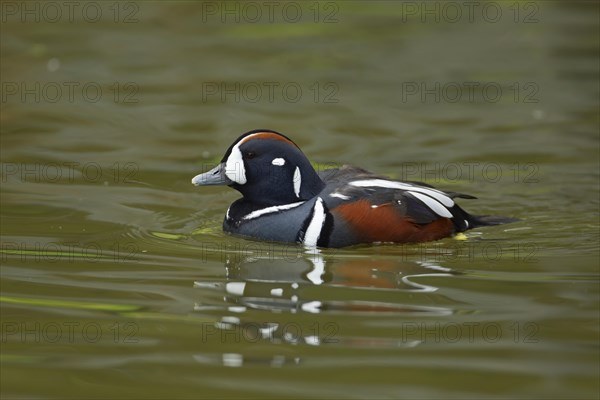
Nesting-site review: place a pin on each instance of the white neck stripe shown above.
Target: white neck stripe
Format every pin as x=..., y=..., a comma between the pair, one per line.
x=272, y=209
x=313, y=232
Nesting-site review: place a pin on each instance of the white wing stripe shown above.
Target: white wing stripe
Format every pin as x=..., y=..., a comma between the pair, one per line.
x=436, y=194
x=433, y=204
x=339, y=196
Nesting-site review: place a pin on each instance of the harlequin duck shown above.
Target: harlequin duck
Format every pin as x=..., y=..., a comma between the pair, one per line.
x=286, y=200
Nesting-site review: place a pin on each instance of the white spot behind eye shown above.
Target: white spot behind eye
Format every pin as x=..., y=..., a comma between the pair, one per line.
x=278, y=161
x=297, y=182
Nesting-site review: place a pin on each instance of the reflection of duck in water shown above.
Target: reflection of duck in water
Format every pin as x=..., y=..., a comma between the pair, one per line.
x=284, y=286
x=286, y=200
x=277, y=284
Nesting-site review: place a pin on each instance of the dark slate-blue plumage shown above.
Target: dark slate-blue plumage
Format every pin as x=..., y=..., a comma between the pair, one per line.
x=285, y=200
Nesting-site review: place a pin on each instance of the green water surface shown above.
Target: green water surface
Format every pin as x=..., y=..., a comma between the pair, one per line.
x=117, y=281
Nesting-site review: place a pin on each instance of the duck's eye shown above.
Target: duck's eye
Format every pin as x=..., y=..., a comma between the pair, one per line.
x=250, y=155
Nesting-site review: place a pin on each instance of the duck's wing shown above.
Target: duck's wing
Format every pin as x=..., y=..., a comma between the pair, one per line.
x=352, y=188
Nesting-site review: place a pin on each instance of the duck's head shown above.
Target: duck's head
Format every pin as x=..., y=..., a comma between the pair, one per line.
x=267, y=168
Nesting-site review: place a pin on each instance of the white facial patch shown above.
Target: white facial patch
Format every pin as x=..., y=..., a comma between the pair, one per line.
x=278, y=161
x=316, y=224
x=297, y=182
x=234, y=166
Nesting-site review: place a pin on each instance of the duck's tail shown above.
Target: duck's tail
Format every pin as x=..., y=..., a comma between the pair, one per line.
x=476, y=221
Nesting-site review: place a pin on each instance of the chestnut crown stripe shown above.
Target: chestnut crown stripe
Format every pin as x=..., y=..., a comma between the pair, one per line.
x=266, y=135
x=256, y=133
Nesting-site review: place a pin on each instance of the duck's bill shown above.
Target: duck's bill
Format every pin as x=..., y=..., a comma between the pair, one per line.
x=215, y=176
